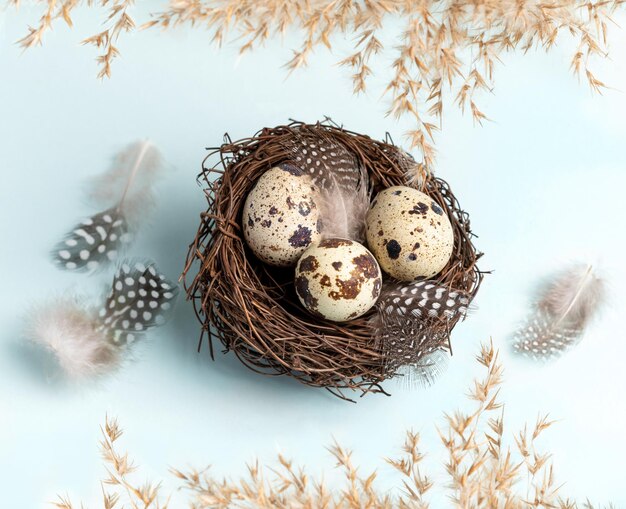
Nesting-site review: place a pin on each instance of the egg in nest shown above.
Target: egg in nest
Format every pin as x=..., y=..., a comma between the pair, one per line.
x=280, y=216
x=338, y=279
x=409, y=233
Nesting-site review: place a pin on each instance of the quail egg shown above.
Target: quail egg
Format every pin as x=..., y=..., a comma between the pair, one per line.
x=409, y=233
x=280, y=216
x=338, y=279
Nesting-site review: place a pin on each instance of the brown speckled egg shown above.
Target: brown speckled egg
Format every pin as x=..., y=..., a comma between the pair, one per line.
x=409, y=233
x=280, y=216
x=338, y=279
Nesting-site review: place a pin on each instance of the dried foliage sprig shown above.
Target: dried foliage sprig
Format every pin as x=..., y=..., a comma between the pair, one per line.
x=445, y=52
x=118, y=21
x=481, y=472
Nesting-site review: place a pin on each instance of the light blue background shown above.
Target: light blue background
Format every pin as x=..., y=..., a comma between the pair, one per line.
x=544, y=183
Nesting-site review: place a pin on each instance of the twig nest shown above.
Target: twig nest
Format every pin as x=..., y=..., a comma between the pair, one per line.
x=409, y=233
x=254, y=309
x=281, y=215
x=338, y=279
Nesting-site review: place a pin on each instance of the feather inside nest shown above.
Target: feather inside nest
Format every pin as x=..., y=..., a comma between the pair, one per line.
x=342, y=180
x=412, y=325
x=125, y=191
x=563, y=309
x=88, y=342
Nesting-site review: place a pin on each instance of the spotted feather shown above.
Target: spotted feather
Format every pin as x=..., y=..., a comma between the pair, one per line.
x=125, y=191
x=328, y=162
x=565, y=303
x=96, y=239
x=140, y=298
x=342, y=180
x=422, y=299
x=411, y=325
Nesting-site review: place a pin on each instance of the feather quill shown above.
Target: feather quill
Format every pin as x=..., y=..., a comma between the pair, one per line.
x=412, y=324
x=564, y=306
x=342, y=180
x=90, y=340
x=125, y=191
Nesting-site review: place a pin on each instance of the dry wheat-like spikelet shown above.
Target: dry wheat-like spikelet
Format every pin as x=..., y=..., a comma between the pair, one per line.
x=445, y=52
x=119, y=488
x=480, y=472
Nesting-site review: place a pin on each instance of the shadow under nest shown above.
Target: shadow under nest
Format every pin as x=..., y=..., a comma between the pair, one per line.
x=252, y=308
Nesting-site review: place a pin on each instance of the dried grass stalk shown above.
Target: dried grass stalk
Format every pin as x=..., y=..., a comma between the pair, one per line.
x=445, y=51
x=480, y=472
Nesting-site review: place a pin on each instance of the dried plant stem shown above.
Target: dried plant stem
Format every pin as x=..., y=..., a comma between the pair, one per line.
x=481, y=474
x=445, y=52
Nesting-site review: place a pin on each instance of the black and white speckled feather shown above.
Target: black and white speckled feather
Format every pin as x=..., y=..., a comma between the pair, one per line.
x=139, y=300
x=564, y=306
x=422, y=299
x=89, y=340
x=94, y=241
x=408, y=325
x=125, y=190
x=329, y=163
x=343, y=183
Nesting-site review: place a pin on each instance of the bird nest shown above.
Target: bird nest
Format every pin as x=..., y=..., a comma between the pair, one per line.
x=252, y=308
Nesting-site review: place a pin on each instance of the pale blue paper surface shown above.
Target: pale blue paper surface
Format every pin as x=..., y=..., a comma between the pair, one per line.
x=544, y=183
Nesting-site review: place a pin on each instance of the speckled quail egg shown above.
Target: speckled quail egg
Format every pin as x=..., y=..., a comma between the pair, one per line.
x=280, y=216
x=409, y=233
x=338, y=279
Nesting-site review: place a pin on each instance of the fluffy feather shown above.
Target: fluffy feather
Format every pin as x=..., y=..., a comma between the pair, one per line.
x=130, y=176
x=126, y=193
x=68, y=329
x=564, y=306
x=343, y=183
x=343, y=210
x=87, y=342
x=411, y=324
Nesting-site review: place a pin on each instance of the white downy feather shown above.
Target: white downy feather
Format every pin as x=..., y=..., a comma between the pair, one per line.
x=69, y=331
x=343, y=211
